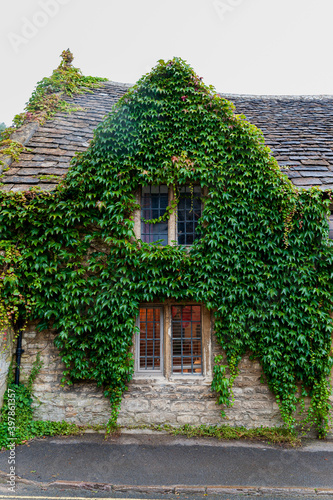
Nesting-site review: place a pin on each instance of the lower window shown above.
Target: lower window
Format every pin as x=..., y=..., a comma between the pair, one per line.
x=184, y=346
x=186, y=339
x=150, y=342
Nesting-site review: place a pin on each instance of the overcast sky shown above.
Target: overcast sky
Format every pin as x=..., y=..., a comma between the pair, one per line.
x=239, y=46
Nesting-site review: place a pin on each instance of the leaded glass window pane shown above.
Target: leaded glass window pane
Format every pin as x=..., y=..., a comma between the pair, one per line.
x=330, y=223
x=189, y=212
x=150, y=339
x=154, y=201
x=186, y=339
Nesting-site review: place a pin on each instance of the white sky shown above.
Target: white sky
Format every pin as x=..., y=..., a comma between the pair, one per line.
x=239, y=46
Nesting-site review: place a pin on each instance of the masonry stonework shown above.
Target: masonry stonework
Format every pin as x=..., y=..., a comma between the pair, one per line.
x=149, y=400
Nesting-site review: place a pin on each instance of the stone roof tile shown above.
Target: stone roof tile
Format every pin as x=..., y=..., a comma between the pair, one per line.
x=54, y=144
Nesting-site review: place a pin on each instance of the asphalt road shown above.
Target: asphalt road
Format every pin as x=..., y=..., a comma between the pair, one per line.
x=151, y=460
x=35, y=494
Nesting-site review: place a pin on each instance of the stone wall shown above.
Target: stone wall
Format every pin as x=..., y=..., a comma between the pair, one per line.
x=157, y=400
x=190, y=400
x=82, y=403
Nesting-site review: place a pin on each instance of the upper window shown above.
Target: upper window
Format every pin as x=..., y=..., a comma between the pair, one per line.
x=188, y=214
x=154, y=201
x=181, y=226
x=330, y=222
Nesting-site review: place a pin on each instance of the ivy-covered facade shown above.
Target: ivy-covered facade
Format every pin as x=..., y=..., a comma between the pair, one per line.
x=174, y=264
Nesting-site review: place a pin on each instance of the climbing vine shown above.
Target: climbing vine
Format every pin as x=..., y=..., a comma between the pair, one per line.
x=17, y=424
x=48, y=96
x=11, y=298
x=46, y=100
x=11, y=149
x=267, y=279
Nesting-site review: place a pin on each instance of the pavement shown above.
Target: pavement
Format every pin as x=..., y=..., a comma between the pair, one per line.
x=157, y=463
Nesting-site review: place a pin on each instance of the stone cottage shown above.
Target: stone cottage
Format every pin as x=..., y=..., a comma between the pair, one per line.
x=172, y=378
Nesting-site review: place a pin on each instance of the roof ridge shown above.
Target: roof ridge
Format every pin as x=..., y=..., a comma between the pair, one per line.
x=121, y=84
x=278, y=96
x=248, y=96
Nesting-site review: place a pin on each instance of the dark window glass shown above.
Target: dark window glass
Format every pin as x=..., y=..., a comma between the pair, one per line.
x=150, y=339
x=189, y=212
x=186, y=339
x=330, y=222
x=154, y=201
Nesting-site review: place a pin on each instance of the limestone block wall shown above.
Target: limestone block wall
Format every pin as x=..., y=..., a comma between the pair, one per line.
x=82, y=403
x=189, y=400
x=177, y=400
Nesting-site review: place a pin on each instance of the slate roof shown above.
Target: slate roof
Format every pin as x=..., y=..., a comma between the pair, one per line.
x=53, y=144
x=299, y=130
